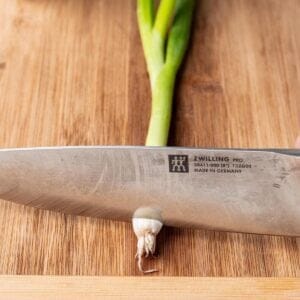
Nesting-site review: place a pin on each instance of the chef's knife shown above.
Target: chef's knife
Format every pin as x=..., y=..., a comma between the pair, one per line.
x=238, y=190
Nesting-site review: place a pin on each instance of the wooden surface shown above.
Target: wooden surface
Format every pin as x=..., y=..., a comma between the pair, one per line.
x=72, y=73
x=88, y=288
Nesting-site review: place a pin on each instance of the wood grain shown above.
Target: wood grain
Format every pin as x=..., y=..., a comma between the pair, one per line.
x=73, y=288
x=73, y=73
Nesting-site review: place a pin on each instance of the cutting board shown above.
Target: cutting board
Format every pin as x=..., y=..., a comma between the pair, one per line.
x=73, y=73
x=148, y=288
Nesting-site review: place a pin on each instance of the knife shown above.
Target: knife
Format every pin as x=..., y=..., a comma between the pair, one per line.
x=241, y=190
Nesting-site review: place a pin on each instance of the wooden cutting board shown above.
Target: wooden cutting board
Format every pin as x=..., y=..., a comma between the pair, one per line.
x=73, y=73
x=158, y=288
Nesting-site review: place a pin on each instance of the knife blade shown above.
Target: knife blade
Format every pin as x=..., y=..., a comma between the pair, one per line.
x=241, y=190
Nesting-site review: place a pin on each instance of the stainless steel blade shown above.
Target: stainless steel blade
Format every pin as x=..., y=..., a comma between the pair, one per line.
x=222, y=189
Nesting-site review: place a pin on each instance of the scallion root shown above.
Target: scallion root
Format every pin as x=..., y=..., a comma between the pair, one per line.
x=147, y=224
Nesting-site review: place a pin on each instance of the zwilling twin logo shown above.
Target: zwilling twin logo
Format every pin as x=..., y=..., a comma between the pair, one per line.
x=178, y=163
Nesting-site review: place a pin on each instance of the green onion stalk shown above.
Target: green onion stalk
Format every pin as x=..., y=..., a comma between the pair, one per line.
x=165, y=39
x=165, y=35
